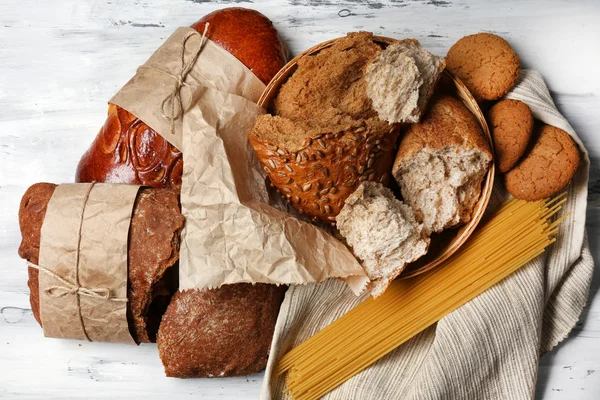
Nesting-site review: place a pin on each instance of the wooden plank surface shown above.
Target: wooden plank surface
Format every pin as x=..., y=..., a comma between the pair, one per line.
x=61, y=60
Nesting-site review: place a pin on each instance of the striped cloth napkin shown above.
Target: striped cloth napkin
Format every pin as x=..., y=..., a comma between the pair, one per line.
x=490, y=347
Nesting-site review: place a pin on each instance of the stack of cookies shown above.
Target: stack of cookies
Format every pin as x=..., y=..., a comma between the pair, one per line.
x=537, y=160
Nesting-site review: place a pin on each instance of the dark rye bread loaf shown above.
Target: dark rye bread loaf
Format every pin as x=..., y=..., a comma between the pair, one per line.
x=217, y=333
x=128, y=150
x=153, y=251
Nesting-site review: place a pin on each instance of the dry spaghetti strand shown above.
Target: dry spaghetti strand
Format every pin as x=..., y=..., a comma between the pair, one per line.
x=514, y=235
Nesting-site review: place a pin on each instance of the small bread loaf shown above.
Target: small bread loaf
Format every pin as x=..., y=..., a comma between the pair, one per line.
x=547, y=168
x=383, y=233
x=326, y=138
x=249, y=36
x=152, y=252
x=218, y=333
x=441, y=163
x=401, y=80
x=486, y=64
x=126, y=150
x=511, y=125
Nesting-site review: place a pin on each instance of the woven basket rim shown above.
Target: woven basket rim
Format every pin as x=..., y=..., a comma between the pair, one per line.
x=462, y=92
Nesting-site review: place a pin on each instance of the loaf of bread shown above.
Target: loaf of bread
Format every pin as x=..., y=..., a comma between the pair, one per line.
x=441, y=163
x=383, y=233
x=153, y=251
x=128, y=150
x=217, y=333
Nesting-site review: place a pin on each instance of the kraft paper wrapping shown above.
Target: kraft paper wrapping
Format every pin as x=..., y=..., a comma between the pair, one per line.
x=232, y=234
x=83, y=241
x=158, y=78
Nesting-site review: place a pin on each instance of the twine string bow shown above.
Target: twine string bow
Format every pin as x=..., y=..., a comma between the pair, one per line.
x=67, y=287
x=172, y=105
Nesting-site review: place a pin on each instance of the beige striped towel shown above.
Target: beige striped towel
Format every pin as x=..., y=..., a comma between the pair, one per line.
x=490, y=347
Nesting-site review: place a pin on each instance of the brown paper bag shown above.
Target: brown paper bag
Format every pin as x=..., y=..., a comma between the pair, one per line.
x=203, y=100
x=83, y=262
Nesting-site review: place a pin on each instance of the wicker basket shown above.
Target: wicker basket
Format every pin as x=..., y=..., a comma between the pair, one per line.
x=448, y=242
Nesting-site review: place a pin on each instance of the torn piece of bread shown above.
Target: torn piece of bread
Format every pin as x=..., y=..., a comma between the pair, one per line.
x=382, y=232
x=401, y=80
x=441, y=163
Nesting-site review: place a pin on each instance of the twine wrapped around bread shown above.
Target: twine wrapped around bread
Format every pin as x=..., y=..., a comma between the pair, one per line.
x=176, y=110
x=57, y=291
x=83, y=259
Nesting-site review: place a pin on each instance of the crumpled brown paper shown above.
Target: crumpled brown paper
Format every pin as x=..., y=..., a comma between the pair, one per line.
x=156, y=80
x=232, y=234
x=83, y=255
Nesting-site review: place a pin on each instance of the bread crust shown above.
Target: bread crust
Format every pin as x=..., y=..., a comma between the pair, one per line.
x=32, y=212
x=548, y=166
x=249, y=36
x=217, y=333
x=485, y=63
x=153, y=249
x=447, y=123
x=511, y=125
x=319, y=177
x=153, y=252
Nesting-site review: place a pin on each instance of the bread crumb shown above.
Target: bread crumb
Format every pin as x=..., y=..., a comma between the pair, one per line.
x=401, y=80
x=383, y=233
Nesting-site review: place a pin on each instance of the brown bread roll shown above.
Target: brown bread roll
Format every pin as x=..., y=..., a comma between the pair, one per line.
x=127, y=150
x=217, y=333
x=153, y=251
x=32, y=212
x=249, y=36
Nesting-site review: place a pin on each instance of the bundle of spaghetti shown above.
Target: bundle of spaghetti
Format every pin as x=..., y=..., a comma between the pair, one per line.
x=514, y=235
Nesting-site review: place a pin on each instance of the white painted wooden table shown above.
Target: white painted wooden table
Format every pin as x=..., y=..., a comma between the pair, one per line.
x=61, y=60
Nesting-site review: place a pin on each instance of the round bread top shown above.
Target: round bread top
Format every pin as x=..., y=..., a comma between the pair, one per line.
x=249, y=36
x=547, y=168
x=511, y=125
x=485, y=63
x=447, y=123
